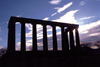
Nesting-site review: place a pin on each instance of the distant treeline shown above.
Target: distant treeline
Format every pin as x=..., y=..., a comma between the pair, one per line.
x=90, y=44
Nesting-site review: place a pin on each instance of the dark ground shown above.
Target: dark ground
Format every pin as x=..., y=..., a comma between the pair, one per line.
x=86, y=58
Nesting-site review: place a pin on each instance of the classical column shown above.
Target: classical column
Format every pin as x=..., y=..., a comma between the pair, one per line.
x=66, y=39
x=45, y=45
x=11, y=36
x=71, y=39
x=54, y=39
x=63, y=40
x=65, y=45
x=77, y=39
x=34, y=38
x=23, y=43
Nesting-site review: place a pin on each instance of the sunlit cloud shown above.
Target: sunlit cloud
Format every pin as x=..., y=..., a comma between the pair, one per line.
x=94, y=34
x=39, y=44
x=84, y=32
x=29, y=26
x=68, y=17
x=28, y=44
x=46, y=18
x=17, y=22
x=18, y=16
x=90, y=32
x=86, y=17
x=57, y=8
x=86, y=27
x=18, y=43
x=60, y=9
x=55, y=1
x=53, y=14
x=29, y=34
x=81, y=22
x=82, y=3
x=64, y=7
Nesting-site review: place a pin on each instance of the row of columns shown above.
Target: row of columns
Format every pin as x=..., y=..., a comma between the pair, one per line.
x=64, y=35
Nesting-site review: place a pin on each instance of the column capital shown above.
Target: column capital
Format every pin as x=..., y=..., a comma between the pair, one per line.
x=66, y=30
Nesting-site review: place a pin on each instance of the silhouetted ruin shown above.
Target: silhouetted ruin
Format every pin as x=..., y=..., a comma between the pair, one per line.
x=34, y=22
x=20, y=58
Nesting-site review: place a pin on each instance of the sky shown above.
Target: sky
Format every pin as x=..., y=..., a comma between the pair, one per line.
x=86, y=13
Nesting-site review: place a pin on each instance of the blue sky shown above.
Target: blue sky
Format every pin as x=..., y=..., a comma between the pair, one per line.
x=86, y=13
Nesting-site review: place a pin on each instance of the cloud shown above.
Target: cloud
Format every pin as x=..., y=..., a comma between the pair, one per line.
x=29, y=26
x=64, y=7
x=17, y=22
x=18, y=43
x=46, y=18
x=18, y=16
x=86, y=27
x=17, y=48
x=55, y=1
x=90, y=32
x=94, y=34
x=29, y=34
x=86, y=17
x=60, y=9
x=68, y=17
x=84, y=32
x=82, y=3
x=53, y=14
x=28, y=45
x=81, y=22
x=57, y=8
